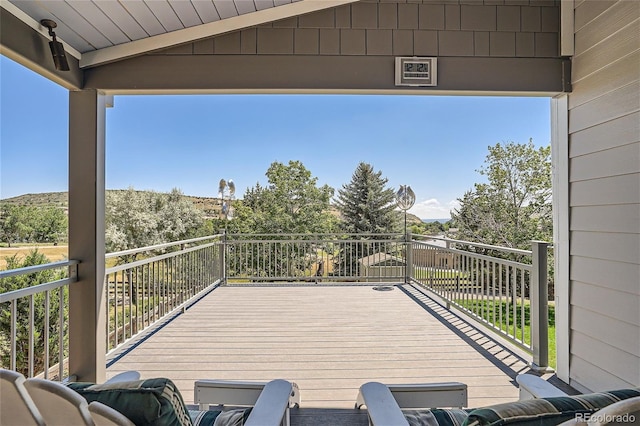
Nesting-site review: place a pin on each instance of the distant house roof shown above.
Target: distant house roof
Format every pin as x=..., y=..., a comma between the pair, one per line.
x=438, y=243
x=381, y=259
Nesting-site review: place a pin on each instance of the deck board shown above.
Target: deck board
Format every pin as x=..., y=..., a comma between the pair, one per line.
x=327, y=339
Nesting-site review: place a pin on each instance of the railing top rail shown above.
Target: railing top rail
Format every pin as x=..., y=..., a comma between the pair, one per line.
x=156, y=258
x=471, y=243
x=37, y=268
x=310, y=235
x=159, y=246
x=497, y=260
x=40, y=288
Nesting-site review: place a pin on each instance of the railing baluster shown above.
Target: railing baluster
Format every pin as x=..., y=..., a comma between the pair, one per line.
x=156, y=293
x=145, y=295
x=514, y=293
x=108, y=309
x=61, y=304
x=130, y=279
x=31, y=358
x=14, y=320
x=522, y=290
x=500, y=293
x=46, y=333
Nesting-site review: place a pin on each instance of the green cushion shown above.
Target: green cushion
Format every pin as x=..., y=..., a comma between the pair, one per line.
x=436, y=417
x=220, y=418
x=151, y=402
x=546, y=411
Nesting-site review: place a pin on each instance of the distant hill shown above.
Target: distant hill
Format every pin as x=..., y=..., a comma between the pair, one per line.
x=209, y=205
x=44, y=199
x=436, y=220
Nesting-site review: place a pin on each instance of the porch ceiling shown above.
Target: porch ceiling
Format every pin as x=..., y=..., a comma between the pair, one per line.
x=99, y=31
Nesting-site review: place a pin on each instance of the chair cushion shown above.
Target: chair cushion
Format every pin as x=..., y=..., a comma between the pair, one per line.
x=235, y=417
x=436, y=417
x=153, y=402
x=546, y=411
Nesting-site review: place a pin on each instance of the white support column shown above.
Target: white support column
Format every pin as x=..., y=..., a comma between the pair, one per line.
x=87, y=309
x=560, y=166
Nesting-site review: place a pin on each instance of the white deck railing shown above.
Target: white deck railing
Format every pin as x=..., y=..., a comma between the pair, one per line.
x=315, y=257
x=506, y=289
x=36, y=341
x=166, y=278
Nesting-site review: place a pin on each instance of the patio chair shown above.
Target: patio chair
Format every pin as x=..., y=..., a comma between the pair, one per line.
x=13, y=394
x=103, y=415
x=271, y=401
x=621, y=406
x=158, y=401
x=386, y=402
x=626, y=411
x=60, y=405
x=621, y=413
x=531, y=387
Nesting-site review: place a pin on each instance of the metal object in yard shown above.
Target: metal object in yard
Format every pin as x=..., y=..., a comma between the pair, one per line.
x=405, y=198
x=227, y=193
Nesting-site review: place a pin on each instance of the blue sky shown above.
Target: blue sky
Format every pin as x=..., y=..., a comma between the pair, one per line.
x=435, y=144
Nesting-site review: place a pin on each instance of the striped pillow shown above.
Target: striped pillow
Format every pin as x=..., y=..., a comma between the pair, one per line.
x=546, y=411
x=436, y=417
x=236, y=417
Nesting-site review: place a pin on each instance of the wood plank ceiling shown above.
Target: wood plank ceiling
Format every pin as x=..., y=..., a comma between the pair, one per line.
x=88, y=25
x=102, y=31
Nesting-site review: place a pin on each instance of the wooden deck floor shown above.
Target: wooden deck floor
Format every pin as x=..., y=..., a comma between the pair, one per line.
x=327, y=339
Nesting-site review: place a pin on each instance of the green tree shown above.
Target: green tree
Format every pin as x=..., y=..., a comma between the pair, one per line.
x=135, y=219
x=178, y=218
x=366, y=206
x=32, y=224
x=16, y=223
x=22, y=319
x=291, y=203
x=49, y=225
x=514, y=206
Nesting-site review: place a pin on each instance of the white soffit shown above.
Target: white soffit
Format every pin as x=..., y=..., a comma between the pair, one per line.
x=18, y=13
x=187, y=35
x=102, y=31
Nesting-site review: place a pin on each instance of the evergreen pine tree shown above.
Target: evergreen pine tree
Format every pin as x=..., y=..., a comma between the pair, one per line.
x=367, y=206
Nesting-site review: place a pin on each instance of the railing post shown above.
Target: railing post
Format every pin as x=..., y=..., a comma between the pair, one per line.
x=538, y=293
x=223, y=258
x=408, y=268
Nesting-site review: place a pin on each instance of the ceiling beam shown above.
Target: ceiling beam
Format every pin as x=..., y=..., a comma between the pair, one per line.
x=153, y=74
x=191, y=34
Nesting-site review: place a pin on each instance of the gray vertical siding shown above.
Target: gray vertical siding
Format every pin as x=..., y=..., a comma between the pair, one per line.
x=604, y=164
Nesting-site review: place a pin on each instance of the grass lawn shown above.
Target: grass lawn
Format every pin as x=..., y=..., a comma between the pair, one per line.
x=490, y=310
